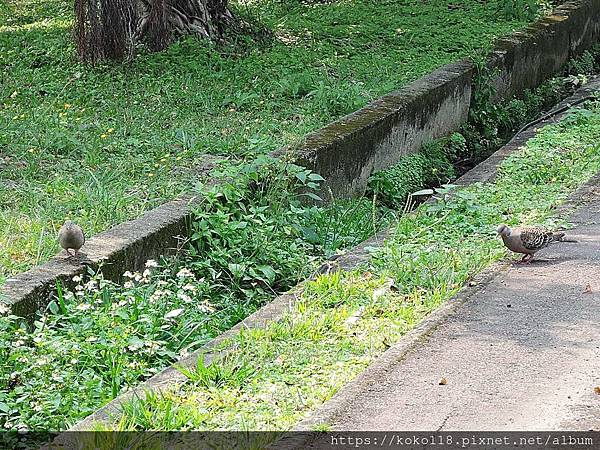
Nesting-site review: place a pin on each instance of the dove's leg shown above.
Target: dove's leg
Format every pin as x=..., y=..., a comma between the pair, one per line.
x=68, y=252
x=526, y=259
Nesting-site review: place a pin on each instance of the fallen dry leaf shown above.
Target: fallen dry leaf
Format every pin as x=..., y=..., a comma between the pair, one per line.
x=443, y=382
x=588, y=289
x=597, y=390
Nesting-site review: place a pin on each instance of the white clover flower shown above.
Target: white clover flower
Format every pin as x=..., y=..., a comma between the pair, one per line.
x=184, y=297
x=151, y=263
x=79, y=287
x=77, y=278
x=19, y=343
x=74, y=361
x=83, y=306
x=185, y=273
x=91, y=285
x=183, y=353
x=146, y=273
x=79, y=293
x=189, y=287
x=128, y=285
x=137, y=276
x=37, y=408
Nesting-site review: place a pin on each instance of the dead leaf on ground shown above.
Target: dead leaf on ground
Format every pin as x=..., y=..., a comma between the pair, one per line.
x=588, y=289
x=597, y=390
x=443, y=382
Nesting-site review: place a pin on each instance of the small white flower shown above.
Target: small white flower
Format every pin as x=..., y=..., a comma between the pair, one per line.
x=83, y=306
x=128, y=284
x=91, y=285
x=79, y=293
x=151, y=263
x=146, y=273
x=79, y=287
x=77, y=278
x=137, y=276
x=206, y=307
x=19, y=343
x=162, y=283
x=189, y=287
x=128, y=274
x=74, y=361
x=185, y=273
x=184, y=297
x=92, y=339
x=122, y=303
x=4, y=309
x=37, y=339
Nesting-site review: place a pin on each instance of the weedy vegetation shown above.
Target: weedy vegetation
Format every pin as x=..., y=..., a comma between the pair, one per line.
x=344, y=320
x=102, y=145
x=106, y=144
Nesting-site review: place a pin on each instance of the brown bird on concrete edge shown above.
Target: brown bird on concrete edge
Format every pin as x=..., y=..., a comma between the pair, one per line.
x=529, y=240
x=70, y=236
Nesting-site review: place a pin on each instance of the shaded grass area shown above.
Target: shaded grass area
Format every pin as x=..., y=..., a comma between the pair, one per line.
x=103, y=145
x=270, y=378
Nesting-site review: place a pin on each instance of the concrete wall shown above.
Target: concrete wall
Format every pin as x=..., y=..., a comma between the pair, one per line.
x=347, y=151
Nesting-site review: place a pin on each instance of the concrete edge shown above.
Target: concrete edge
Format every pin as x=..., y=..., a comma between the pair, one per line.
x=128, y=245
x=171, y=377
x=328, y=412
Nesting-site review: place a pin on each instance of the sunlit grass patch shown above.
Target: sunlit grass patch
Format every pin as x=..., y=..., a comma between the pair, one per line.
x=343, y=321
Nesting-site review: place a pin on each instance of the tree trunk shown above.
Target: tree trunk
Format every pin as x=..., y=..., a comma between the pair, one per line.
x=110, y=29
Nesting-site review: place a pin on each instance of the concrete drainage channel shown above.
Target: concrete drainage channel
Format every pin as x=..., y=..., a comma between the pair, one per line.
x=345, y=152
x=484, y=172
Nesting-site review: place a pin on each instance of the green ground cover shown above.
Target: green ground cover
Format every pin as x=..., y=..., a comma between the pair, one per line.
x=344, y=320
x=102, y=145
x=252, y=238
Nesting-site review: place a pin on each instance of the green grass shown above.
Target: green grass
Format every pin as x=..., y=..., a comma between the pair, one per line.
x=270, y=378
x=252, y=239
x=102, y=145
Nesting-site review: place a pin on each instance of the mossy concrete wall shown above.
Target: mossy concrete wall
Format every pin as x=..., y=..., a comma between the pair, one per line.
x=347, y=151
x=125, y=247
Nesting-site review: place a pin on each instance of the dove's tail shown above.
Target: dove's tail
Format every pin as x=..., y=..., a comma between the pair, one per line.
x=560, y=237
